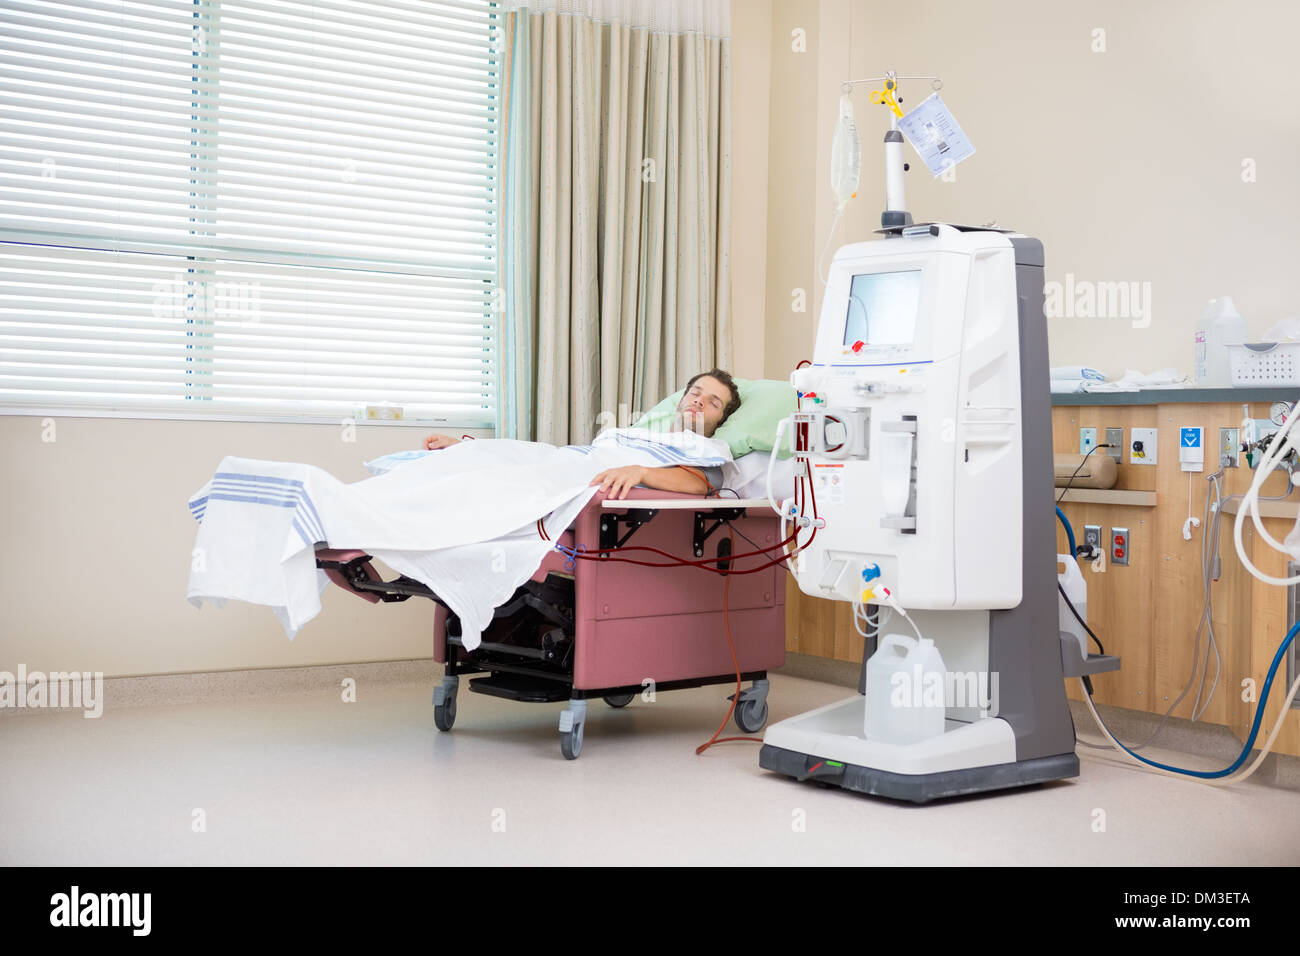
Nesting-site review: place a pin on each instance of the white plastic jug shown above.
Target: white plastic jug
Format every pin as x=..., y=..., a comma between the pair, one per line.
x=1076, y=589
x=906, y=691
x=1224, y=326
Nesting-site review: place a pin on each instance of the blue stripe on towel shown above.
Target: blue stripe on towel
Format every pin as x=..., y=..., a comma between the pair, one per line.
x=266, y=490
x=667, y=453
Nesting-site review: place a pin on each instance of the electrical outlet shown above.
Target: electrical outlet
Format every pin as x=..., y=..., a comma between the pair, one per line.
x=1143, y=443
x=1115, y=439
x=1092, y=537
x=1121, y=548
x=1087, y=440
x=1229, y=447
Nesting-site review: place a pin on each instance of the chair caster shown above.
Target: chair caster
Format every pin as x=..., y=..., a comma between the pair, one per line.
x=444, y=703
x=751, y=709
x=572, y=720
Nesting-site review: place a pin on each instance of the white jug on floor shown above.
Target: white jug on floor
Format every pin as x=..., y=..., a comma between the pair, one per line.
x=906, y=688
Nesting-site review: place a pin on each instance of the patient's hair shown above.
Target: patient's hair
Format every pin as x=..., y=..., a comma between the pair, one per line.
x=726, y=379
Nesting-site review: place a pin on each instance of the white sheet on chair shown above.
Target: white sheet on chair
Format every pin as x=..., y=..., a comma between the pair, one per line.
x=462, y=521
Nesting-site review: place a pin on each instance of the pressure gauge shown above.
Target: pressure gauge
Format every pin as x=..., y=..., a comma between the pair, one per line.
x=1278, y=411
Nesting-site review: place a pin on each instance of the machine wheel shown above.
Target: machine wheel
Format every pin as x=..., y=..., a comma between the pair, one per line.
x=571, y=742
x=444, y=715
x=619, y=700
x=751, y=715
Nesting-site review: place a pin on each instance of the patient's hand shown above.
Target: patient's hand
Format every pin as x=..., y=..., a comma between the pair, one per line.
x=619, y=481
x=434, y=442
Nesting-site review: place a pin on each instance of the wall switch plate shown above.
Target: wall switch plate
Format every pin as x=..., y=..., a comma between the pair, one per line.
x=1142, y=446
x=1120, y=546
x=1191, y=448
x=1115, y=439
x=1230, y=450
x=1087, y=440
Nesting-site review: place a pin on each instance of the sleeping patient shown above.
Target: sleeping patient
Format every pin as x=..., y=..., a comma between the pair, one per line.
x=709, y=400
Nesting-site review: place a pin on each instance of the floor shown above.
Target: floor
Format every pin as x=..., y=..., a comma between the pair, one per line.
x=305, y=778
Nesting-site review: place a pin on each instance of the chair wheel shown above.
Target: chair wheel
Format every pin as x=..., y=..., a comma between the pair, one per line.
x=444, y=715
x=619, y=700
x=571, y=742
x=751, y=715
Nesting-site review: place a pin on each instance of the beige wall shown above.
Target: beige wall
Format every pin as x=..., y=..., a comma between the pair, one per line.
x=792, y=185
x=751, y=70
x=1127, y=163
x=97, y=541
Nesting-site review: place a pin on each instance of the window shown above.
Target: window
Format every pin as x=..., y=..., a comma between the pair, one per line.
x=267, y=208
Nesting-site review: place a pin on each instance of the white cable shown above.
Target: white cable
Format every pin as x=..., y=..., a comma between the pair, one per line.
x=888, y=601
x=860, y=614
x=1250, y=503
x=830, y=236
x=1278, y=449
x=1192, y=521
x=1216, y=781
x=771, y=463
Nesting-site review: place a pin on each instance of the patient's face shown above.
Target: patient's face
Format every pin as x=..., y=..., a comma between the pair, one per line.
x=701, y=408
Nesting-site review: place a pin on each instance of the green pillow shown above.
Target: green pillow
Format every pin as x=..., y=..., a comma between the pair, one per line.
x=751, y=427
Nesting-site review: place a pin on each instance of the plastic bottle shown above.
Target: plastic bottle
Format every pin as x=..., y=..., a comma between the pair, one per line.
x=1224, y=326
x=906, y=691
x=1076, y=589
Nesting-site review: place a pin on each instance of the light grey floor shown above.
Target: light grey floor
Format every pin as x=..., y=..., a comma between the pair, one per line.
x=304, y=778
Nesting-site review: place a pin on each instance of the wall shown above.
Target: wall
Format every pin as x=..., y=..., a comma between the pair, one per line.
x=98, y=539
x=1126, y=162
x=751, y=29
x=792, y=185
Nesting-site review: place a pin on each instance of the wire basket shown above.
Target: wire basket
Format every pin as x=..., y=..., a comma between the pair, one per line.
x=1265, y=363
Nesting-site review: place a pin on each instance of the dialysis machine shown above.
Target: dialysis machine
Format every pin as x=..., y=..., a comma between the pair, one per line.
x=925, y=428
x=925, y=425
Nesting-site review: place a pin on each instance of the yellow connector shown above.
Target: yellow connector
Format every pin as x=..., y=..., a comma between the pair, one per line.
x=886, y=96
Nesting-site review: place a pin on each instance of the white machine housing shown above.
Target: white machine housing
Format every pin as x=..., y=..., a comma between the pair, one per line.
x=914, y=422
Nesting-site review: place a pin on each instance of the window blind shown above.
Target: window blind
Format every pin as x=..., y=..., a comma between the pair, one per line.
x=252, y=207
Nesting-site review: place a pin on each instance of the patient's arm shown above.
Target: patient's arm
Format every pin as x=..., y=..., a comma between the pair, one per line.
x=619, y=481
x=434, y=442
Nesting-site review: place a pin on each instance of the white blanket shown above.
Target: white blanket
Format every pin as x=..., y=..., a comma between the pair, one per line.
x=461, y=521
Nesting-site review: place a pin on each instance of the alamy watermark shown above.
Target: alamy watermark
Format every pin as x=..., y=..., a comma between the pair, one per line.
x=948, y=689
x=1086, y=299
x=75, y=908
x=182, y=298
x=56, y=690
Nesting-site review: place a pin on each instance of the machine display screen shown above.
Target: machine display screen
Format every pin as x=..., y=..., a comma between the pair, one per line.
x=882, y=308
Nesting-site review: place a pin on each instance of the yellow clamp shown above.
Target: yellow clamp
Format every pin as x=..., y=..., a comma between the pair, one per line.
x=868, y=595
x=886, y=96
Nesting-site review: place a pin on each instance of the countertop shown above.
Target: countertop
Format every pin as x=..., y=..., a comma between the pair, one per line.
x=1171, y=396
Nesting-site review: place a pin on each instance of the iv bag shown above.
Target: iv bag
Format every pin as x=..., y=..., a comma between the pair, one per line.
x=846, y=155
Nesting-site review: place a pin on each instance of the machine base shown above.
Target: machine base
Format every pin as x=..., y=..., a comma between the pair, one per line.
x=917, y=788
x=826, y=746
